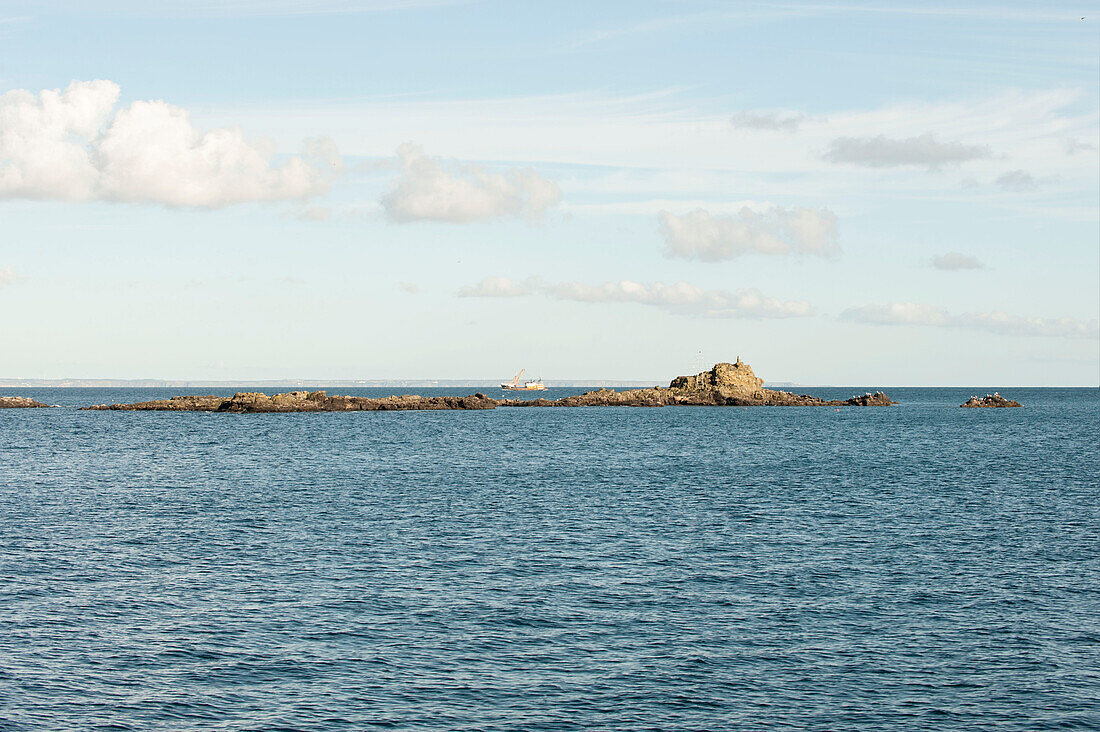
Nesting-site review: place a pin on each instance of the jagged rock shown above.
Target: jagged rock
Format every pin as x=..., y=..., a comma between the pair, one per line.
x=878, y=399
x=993, y=400
x=14, y=402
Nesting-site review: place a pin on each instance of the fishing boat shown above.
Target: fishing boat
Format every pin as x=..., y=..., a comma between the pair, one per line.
x=515, y=385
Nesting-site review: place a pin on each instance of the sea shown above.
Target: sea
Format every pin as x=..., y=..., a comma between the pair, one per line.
x=917, y=567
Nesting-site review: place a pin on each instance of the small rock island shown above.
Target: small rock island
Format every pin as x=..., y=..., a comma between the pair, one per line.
x=725, y=385
x=990, y=401
x=15, y=402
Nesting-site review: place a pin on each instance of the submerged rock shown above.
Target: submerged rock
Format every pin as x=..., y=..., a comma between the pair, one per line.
x=14, y=402
x=993, y=400
x=725, y=385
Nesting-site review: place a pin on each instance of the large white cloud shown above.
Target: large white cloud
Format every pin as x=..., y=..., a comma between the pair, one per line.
x=429, y=190
x=73, y=144
x=699, y=235
x=680, y=297
x=912, y=313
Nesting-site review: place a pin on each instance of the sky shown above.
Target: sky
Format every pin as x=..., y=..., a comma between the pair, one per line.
x=855, y=193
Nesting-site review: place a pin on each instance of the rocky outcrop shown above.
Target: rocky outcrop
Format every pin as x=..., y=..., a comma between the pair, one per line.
x=301, y=401
x=725, y=385
x=14, y=402
x=993, y=401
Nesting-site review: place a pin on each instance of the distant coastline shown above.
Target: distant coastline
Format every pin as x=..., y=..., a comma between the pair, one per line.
x=323, y=383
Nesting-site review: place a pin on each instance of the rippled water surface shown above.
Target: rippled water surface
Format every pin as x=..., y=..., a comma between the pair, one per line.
x=914, y=567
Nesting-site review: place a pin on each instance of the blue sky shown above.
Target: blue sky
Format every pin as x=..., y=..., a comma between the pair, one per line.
x=859, y=193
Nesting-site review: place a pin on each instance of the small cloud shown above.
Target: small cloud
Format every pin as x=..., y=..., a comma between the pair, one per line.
x=315, y=213
x=291, y=280
x=922, y=151
x=998, y=322
x=1016, y=181
x=1073, y=146
x=410, y=287
x=7, y=276
x=779, y=231
x=428, y=190
x=954, y=261
x=498, y=287
x=777, y=121
x=680, y=298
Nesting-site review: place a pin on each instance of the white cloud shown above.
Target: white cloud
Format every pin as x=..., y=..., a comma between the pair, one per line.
x=680, y=298
x=780, y=122
x=883, y=152
x=1001, y=323
x=953, y=261
x=430, y=191
x=1016, y=181
x=699, y=235
x=7, y=276
x=409, y=287
x=74, y=145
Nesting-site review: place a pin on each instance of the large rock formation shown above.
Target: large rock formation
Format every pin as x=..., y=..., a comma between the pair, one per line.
x=725, y=385
x=14, y=402
x=993, y=400
x=301, y=401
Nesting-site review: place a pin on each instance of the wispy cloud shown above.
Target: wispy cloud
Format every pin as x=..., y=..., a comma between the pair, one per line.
x=774, y=121
x=7, y=275
x=680, y=298
x=240, y=8
x=998, y=322
x=776, y=12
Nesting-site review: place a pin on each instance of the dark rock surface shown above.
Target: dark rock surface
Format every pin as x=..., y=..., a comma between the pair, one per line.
x=725, y=385
x=14, y=402
x=992, y=401
x=301, y=401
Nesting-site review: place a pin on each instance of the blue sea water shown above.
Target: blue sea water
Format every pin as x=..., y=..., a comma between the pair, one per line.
x=914, y=567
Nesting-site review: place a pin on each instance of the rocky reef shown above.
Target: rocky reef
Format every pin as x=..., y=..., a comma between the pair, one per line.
x=14, y=402
x=725, y=385
x=301, y=401
x=993, y=401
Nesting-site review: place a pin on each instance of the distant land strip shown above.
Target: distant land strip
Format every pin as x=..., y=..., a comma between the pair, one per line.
x=322, y=383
